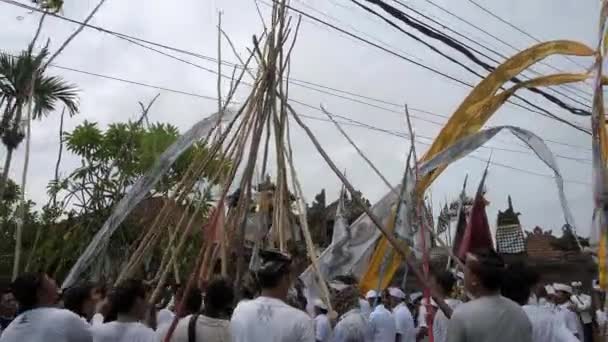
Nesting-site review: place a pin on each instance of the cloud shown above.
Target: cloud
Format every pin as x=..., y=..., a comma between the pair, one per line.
x=329, y=58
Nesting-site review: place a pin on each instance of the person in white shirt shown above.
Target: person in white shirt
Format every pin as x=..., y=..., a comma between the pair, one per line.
x=353, y=325
x=489, y=317
x=404, y=321
x=191, y=306
x=128, y=301
x=213, y=324
x=322, y=324
x=268, y=318
x=381, y=321
x=366, y=310
x=581, y=303
x=564, y=309
x=443, y=282
x=40, y=320
x=602, y=322
x=546, y=327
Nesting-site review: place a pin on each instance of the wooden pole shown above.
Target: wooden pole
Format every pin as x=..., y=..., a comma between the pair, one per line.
x=377, y=222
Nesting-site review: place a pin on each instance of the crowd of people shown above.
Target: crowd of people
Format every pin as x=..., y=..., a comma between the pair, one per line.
x=490, y=301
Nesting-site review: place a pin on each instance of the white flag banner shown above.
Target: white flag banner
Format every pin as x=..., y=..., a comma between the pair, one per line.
x=356, y=251
x=138, y=191
x=467, y=145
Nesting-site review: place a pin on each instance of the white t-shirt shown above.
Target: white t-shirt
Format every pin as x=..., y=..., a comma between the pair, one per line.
x=583, y=306
x=546, y=327
x=441, y=322
x=161, y=331
x=322, y=328
x=366, y=310
x=382, y=324
x=206, y=330
x=123, y=332
x=47, y=324
x=270, y=320
x=97, y=319
x=602, y=322
x=568, y=317
x=352, y=327
x=404, y=323
x=164, y=316
x=489, y=319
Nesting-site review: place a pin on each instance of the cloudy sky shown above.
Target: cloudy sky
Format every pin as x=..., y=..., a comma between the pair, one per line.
x=331, y=59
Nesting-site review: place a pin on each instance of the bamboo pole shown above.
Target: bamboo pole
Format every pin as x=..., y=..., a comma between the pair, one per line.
x=391, y=239
x=304, y=224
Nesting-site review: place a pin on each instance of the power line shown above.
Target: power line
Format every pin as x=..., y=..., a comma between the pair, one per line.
x=457, y=45
x=300, y=83
x=443, y=9
x=537, y=109
x=440, y=124
x=405, y=136
x=516, y=28
x=350, y=122
x=491, y=50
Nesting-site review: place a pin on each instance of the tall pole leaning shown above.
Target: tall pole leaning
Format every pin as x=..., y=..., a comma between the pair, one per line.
x=402, y=250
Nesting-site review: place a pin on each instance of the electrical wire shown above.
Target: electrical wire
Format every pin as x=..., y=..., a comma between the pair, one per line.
x=459, y=47
x=297, y=82
x=537, y=109
x=215, y=72
x=454, y=15
x=504, y=21
x=493, y=50
x=349, y=121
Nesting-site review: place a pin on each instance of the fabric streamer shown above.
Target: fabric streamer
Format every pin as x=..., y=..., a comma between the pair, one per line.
x=458, y=150
x=364, y=235
x=469, y=118
x=467, y=145
x=600, y=153
x=138, y=191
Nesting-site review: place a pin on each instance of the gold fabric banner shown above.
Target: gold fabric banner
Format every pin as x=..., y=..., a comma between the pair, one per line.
x=467, y=118
x=481, y=103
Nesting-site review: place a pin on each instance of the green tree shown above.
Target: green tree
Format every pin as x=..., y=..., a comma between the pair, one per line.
x=16, y=75
x=111, y=161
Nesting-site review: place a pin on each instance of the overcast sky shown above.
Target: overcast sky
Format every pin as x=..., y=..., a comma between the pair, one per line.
x=325, y=57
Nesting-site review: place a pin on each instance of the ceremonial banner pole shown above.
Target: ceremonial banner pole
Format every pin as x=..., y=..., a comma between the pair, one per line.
x=377, y=222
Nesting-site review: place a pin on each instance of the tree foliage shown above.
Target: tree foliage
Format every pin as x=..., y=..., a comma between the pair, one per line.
x=111, y=161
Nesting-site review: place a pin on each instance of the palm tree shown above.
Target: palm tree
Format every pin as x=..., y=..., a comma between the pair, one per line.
x=16, y=91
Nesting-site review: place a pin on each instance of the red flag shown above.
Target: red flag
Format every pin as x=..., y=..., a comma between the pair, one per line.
x=477, y=233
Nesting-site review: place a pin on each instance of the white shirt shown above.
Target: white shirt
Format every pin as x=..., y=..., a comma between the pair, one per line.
x=164, y=316
x=366, y=310
x=270, y=320
x=206, y=330
x=47, y=324
x=404, y=323
x=352, y=327
x=123, y=332
x=162, y=330
x=322, y=328
x=382, y=324
x=546, y=327
x=440, y=322
x=97, y=319
x=583, y=306
x=602, y=322
x=568, y=318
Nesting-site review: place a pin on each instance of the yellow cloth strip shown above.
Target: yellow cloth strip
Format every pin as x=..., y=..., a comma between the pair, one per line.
x=472, y=114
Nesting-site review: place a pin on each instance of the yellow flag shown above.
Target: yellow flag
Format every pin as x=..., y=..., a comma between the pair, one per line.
x=467, y=119
x=481, y=103
x=383, y=254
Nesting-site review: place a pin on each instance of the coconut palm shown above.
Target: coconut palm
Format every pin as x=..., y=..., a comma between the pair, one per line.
x=15, y=93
